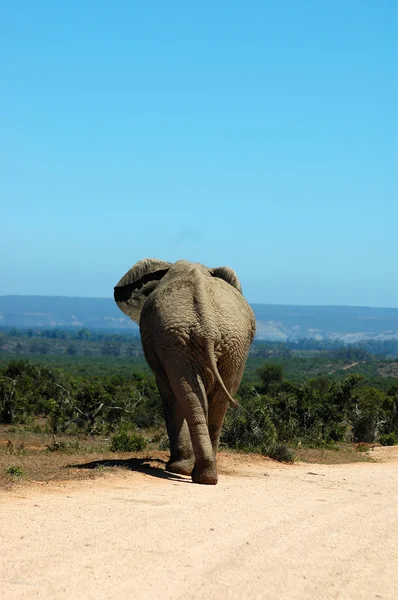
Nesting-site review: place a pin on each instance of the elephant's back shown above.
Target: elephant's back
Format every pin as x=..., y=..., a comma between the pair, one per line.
x=235, y=320
x=197, y=306
x=231, y=306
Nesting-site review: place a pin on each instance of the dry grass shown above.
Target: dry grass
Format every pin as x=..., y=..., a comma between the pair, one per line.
x=43, y=466
x=346, y=453
x=26, y=456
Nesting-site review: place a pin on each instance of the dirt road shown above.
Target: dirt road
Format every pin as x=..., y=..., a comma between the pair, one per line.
x=265, y=531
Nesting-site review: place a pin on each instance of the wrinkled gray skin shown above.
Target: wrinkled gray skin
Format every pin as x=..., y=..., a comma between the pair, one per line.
x=196, y=329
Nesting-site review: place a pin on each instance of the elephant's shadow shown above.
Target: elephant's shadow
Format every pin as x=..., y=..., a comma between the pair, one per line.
x=140, y=465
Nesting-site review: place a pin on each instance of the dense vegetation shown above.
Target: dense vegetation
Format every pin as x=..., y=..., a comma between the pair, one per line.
x=83, y=342
x=319, y=412
x=308, y=392
x=70, y=403
x=297, y=403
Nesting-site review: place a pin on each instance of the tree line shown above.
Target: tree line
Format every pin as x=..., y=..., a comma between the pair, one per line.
x=85, y=342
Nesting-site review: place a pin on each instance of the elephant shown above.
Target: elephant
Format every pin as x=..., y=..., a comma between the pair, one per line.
x=196, y=330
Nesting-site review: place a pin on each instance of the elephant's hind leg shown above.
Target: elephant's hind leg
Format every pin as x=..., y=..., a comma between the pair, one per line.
x=182, y=458
x=189, y=390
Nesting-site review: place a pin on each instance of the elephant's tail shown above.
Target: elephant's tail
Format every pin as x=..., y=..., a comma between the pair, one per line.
x=202, y=301
x=216, y=373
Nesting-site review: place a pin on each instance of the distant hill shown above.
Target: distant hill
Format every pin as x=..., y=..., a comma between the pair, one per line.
x=348, y=323
x=274, y=322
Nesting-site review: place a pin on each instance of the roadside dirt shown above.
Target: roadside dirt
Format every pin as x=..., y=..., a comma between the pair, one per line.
x=266, y=531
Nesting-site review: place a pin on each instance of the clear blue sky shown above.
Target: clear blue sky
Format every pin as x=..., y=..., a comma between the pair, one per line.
x=260, y=134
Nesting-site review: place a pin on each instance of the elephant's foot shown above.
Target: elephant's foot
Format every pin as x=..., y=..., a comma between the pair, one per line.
x=180, y=467
x=205, y=472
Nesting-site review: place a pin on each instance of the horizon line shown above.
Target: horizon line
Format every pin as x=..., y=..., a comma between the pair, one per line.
x=251, y=303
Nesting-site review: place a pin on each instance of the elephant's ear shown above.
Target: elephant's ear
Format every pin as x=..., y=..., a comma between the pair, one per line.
x=135, y=286
x=228, y=275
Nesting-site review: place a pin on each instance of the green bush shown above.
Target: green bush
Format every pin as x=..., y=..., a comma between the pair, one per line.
x=271, y=376
x=280, y=452
x=14, y=471
x=389, y=439
x=369, y=415
x=249, y=429
x=124, y=442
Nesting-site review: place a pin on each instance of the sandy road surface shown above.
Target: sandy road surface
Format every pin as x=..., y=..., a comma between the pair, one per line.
x=265, y=531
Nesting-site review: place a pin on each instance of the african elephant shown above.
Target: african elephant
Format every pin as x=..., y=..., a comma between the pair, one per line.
x=196, y=330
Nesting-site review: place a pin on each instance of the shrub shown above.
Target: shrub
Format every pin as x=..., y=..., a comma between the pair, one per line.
x=280, y=452
x=369, y=415
x=249, y=429
x=389, y=439
x=124, y=442
x=14, y=471
x=271, y=376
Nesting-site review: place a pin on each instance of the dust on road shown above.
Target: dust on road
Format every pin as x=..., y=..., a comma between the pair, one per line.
x=265, y=531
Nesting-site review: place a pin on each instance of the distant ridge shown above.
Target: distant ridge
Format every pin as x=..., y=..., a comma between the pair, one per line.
x=274, y=321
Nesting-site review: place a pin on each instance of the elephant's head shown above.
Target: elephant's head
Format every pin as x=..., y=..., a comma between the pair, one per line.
x=140, y=281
